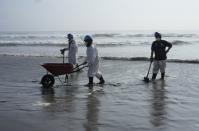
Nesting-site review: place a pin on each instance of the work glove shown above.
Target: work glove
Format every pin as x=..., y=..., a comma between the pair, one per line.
x=62, y=51
x=84, y=63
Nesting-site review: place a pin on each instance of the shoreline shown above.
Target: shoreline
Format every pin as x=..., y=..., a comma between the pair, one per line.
x=142, y=59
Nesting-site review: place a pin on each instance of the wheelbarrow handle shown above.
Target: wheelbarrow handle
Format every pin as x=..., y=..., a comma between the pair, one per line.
x=78, y=66
x=76, y=69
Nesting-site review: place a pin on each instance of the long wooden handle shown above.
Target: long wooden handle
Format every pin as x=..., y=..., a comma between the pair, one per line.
x=149, y=69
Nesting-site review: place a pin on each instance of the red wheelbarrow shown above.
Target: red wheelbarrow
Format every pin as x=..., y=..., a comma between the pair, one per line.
x=57, y=69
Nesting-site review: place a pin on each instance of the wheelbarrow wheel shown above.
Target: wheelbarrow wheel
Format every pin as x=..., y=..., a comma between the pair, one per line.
x=47, y=81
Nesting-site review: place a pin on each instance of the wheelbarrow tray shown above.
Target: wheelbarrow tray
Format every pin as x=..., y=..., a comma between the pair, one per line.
x=57, y=69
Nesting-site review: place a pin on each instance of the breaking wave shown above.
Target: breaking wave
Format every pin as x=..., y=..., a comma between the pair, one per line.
x=64, y=44
x=194, y=61
x=105, y=35
x=179, y=42
x=31, y=44
x=30, y=37
x=62, y=35
x=110, y=35
x=53, y=44
x=147, y=59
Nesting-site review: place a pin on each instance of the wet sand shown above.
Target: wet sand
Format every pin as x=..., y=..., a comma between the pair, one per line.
x=125, y=103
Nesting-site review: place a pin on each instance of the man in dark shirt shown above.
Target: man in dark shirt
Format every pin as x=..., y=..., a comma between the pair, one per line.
x=160, y=48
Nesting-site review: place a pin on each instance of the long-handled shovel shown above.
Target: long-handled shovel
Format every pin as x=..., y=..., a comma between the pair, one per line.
x=146, y=79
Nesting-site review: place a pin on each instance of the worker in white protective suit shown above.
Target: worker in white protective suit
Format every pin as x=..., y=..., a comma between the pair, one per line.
x=92, y=61
x=72, y=50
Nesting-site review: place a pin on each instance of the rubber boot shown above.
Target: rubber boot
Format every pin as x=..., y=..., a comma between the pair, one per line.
x=102, y=81
x=154, y=76
x=162, y=76
x=90, y=81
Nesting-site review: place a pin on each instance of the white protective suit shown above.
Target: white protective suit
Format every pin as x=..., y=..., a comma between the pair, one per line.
x=93, y=62
x=72, y=52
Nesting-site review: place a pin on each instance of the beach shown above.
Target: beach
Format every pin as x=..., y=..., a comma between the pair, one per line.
x=128, y=40
x=124, y=103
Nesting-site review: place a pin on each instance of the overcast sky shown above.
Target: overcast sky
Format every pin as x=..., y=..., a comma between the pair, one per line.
x=33, y=15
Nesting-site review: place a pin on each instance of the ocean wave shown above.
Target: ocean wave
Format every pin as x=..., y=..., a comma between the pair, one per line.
x=59, y=44
x=118, y=44
x=109, y=44
x=110, y=35
x=184, y=61
x=179, y=42
x=165, y=35
x=126, y=58
x=30, y=37
x=121, y=35
x=196, y=61
x=95, y=35
x=180, y=35
x=105, y=35
x=193, y=61
x=8, y=44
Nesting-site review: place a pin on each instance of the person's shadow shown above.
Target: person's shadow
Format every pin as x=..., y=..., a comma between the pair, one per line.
x=158, y=106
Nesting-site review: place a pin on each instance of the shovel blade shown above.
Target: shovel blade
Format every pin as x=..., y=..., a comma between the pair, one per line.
x=146, y=79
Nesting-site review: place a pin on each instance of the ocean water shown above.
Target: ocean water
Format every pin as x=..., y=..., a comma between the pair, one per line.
x=124, y=103
x=111, y=45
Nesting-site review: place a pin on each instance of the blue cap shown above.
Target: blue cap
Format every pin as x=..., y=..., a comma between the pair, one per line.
x=157, y=35
x=88, y=38
x=70, y=36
